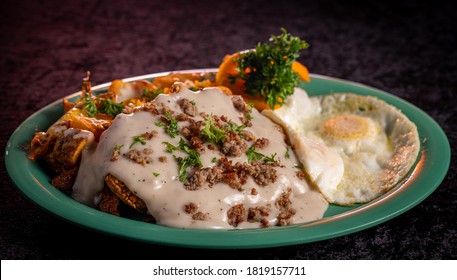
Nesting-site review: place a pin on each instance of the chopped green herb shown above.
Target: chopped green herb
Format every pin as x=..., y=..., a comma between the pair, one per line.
x=138, y=139
x=192, y=102
x=213, y=160
x=172, y=127
x=192, y=159
x=212, y=133
x=111, y=108
x=108, y=107
x=270, y=158
x=170, y=147
x=235, y=128
x=118, y=147
x=249, y=114
x=286, y=155
x=156, y=174
x=253, y=155
x=184, y=147
x=89, y=106
x=270, y=65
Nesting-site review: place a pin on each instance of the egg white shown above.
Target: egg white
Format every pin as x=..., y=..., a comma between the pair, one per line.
x=323, y=166
x=369, y=145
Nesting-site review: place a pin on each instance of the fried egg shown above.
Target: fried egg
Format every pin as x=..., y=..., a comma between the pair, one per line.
x=376, y=143
x=323, y=165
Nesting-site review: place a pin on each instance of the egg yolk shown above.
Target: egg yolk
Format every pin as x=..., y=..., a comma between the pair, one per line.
x=346, y=127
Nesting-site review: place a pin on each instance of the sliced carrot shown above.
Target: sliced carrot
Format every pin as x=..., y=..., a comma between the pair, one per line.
x=227, y=68
x=301, y=70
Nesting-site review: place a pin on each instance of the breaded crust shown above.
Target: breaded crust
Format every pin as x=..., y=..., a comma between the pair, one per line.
x=124, y=193
x=109, y=202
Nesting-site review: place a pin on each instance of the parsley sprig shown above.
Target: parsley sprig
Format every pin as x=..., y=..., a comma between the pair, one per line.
x=106, y=106
x=249, y=114
x=171, y=127
x=235, y=128
x=89, y=106
x=192, y=159
x=267, y=71
x=216, y=135
x=137, y=139
x=118, y=147
x=212, y=133
x=111, y=108
x=253, y=155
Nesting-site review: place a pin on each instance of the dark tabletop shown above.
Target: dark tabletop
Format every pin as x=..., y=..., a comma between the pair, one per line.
x=405, y=48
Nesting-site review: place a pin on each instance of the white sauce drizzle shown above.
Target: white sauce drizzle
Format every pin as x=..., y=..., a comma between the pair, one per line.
x=158, y=184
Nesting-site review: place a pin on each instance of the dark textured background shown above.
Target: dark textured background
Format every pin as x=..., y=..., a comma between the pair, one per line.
x=402, y=47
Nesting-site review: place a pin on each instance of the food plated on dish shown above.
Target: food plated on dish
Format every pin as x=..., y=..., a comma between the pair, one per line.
x=245, y=148
x=213, y=149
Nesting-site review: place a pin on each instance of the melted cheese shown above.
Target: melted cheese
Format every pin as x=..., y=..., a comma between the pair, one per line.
x=157, y=183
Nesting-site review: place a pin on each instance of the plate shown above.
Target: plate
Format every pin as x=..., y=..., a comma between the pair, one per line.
x=32, y=180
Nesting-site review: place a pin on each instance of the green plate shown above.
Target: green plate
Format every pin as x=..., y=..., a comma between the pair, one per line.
x=32, y=180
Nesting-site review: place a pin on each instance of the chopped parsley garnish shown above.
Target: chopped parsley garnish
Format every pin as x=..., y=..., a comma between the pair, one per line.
x=270, y=158
x=89, y=106
x=111, y=108
x=170, y=147
x=253, y=155
x=212, y=133
x=137, y=139
x=249, y=114
x=107, y=106
x=155, y=174
x=286, y=155
x=184, y=147
x=192, y=159
x=118, y=147
x=213, y=160
x=171, y=127
x=267, y=71
x=235, y=128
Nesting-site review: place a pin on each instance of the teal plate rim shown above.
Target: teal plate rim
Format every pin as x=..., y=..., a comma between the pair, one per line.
x=32, y=180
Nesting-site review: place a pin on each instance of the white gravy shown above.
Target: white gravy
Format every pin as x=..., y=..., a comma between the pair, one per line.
x=157, y=183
